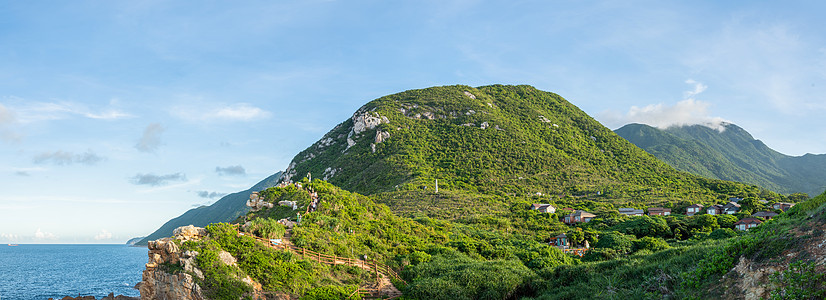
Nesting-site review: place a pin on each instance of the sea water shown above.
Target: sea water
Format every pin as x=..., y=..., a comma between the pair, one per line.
x=54, y=271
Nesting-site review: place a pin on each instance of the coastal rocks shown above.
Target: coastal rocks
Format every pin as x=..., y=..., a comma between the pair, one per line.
x=189, y=232
x=157, y=283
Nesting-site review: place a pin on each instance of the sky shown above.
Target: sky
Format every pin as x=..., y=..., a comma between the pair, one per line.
x=116, y=116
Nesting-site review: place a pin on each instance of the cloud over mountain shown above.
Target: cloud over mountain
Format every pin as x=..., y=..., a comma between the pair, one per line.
x=689, y=111
x=209, y=195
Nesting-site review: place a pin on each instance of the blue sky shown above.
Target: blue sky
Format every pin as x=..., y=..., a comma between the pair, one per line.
x=116, y=116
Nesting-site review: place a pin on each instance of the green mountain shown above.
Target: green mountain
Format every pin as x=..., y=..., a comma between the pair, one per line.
x=494, y=150
x=225, y=209
x=486, y=144
x=730, y=154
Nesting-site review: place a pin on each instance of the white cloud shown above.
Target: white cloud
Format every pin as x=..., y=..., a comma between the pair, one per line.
x=103, y=235
x=686, y=112
x=699, y=87
x=7, y=120
x=41, y=235
x=67, y=158
x=210, y=195
x=10, y=237
x=151, y=138
x=44, y=111
x=231, y=171
x=242, y=112
x=768, y=63
x=157, y=180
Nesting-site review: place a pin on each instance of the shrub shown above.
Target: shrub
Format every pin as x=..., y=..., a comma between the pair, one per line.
x=800, y=281
x=332, y=293
x=722, y=233
x=650, y=243
x=615, y=240
x=266, y=228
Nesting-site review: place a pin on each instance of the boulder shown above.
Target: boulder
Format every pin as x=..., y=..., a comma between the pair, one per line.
x=189, y=232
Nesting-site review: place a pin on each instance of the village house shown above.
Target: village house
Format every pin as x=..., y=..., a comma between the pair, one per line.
x=693, y=209
x=747, y=223
x=659, y=211
x=579, y=216
x=545, y=208
x=631, y=212
x=765, y=214
x=560, y=241
x=735, y=199
x=715, y=209
x=782, y=206
x=731, y=208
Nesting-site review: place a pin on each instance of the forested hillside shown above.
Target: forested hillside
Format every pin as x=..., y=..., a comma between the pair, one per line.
x=731, y=154
x=495, y=151
x=492, y=142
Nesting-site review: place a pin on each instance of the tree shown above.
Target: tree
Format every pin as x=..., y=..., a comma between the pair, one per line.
x=650, y=243
x=726, y=221
x=576, y=236
x=798, y=197
x=615, y=240
x=704, y=223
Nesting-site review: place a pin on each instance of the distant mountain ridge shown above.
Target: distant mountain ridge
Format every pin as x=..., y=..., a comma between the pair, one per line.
x=225, y=209
x=730, y=154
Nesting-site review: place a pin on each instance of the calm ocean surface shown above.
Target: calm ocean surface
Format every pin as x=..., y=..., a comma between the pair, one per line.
x=44, y=271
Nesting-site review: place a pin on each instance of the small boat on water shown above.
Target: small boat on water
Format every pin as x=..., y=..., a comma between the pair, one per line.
x=11, y=245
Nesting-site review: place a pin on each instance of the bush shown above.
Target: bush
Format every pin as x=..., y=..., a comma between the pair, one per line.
x=650, y=243
x=617, y=241
x=598, y=254
x=800, y=281
x=722, y=233
x=460, y=277
x=266, y=228
x=332, y=293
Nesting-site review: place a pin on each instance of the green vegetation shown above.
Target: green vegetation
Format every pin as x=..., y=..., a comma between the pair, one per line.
x=800, y=281
x=731, y=154
x=477, y=238
x=533, y=142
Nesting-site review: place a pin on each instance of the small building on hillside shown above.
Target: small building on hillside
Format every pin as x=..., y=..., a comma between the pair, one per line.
x=735, y=199
x=560, y=241
x=765, y=214
x=784, y=206
x=579, y=216
x=715, y=209
x=631, y=212
x=545, y=208
x=731, y=208
x=693, y=209
x=747, y=223
x=659, y=211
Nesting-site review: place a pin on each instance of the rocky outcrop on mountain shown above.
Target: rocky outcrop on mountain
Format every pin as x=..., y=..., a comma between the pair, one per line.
x=157, y=282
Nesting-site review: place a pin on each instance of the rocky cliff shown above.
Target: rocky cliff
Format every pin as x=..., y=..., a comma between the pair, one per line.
x=159, y=280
